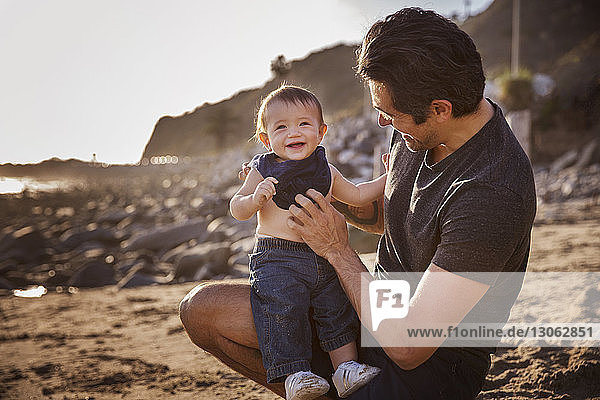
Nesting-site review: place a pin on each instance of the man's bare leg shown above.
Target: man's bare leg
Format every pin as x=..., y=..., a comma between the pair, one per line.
x=218, y=318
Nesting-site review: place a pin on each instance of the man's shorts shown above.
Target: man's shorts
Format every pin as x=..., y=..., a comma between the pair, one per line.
x=450, y=373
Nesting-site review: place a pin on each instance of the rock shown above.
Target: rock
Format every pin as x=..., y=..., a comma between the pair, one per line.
x=217, y=205
x=346, y=156
x=240, y=271
x=195, y=258
x=25, y=245
x=64, y=212
x=239, y=258
x=219, y=268
x=564, y=161
x=126, y=222
x=241, y=230
x=141, y=279
x=589, y=155
x=363, y=143
x=172, y=255
x=56, y=230
x=216, y=229
x=115, y=216
x=167, y=237
x=201, y=274
x=244, y=245
x=568, y=187
x=127, y=266
x=93, y=274
x=74, y=238
x=6, y=284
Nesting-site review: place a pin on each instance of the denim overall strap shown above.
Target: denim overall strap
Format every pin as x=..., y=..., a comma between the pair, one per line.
x=295, y=176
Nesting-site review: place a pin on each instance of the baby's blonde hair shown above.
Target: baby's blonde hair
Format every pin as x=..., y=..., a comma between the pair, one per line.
x=288, y=94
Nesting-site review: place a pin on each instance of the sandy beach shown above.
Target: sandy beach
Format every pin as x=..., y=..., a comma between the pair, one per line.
x=104, y=343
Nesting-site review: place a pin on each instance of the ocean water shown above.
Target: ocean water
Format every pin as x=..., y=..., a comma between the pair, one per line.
x=17, y=185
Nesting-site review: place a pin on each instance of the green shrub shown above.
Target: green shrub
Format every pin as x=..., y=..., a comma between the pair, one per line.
x=516, y=92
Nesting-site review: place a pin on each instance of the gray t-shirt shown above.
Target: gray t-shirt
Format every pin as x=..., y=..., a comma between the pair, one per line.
x=470, y=212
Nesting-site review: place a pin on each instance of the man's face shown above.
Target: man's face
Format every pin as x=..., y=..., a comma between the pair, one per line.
x=417, y=137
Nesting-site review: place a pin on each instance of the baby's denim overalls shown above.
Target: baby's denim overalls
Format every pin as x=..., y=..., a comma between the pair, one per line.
x=291, y=284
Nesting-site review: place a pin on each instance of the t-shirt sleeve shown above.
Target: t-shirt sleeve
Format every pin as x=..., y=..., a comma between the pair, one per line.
x=481, y=228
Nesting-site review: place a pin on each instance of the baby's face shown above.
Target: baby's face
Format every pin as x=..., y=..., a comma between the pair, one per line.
x=293, y=130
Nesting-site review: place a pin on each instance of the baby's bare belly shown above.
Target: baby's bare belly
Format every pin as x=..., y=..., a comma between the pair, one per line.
x=272, y=221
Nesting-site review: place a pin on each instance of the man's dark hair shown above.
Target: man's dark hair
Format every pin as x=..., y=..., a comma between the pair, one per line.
x=421, y=56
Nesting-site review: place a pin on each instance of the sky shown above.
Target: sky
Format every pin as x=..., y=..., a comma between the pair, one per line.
x=83, y=77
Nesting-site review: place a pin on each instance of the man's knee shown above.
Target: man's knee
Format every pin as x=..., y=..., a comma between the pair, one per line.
x=195, y=311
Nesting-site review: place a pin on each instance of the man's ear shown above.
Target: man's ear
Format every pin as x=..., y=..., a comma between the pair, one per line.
x=441, y=110
x=264, y=138
x=322, y=131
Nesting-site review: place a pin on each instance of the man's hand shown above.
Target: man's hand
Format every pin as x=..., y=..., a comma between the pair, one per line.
x=320, y=225
x=264, y=191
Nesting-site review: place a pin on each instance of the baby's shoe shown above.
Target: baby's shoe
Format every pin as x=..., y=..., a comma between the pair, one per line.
x=351, y=376
x=305, y=385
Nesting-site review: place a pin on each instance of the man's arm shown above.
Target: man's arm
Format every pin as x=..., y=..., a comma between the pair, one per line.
x=368, y=218
x=440, y=297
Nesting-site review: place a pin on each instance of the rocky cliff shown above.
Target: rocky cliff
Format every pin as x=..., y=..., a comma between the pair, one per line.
x=328, y=73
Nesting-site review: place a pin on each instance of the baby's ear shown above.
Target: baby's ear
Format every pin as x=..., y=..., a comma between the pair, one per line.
x=264, y=138
x=322, y=130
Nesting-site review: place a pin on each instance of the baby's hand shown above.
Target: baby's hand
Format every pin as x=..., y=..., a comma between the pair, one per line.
x=264, y=191
x=243, y=173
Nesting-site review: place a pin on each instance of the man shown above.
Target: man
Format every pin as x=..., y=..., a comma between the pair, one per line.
x=459, y=198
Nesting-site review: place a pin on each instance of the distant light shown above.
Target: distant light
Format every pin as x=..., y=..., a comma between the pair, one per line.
x=162, y=160
x=36, y=291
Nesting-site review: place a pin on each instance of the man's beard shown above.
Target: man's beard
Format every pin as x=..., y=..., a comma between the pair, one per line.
x=413, y=144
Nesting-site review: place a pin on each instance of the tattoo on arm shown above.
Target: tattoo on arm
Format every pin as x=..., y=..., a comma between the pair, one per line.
x=368, y=218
